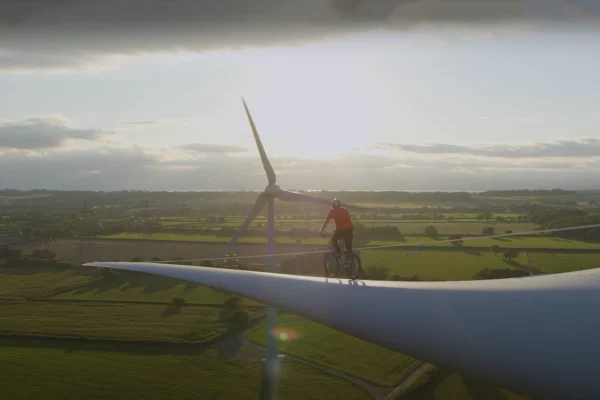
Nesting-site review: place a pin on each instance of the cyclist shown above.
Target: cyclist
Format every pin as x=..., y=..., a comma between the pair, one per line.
x=344, y=229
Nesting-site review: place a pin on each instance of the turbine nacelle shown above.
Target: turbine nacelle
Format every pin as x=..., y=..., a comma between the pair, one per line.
x=272, y=191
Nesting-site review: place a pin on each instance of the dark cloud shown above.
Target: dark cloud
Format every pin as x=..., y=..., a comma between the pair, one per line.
x=42, y=133
x=213, y=148
x=588, y=147
x=67, y=33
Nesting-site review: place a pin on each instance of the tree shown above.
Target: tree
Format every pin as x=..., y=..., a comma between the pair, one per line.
x=510, y=255
x=456, y=240
x=178, y=302
x=239, y=319
x=431, y=231
x=489, y=231
x=496, y=249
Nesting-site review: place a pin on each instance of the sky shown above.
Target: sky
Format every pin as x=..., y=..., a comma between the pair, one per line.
x=346, y=94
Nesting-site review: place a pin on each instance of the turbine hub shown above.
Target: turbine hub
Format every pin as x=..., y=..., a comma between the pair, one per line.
x=272, y=190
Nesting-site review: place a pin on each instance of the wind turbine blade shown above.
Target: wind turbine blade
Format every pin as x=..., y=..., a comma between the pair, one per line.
x=258, y=206
x=263, y=155
x=519, y=333
x=286, y=195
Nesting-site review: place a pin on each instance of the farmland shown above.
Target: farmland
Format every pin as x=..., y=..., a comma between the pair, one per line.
x=110, y=334
x=326, y=346
x=63, y=370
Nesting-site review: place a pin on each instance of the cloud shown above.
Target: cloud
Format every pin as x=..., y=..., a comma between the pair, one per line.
x=586, y=147
x=42, y=133
x=139, y=122
x=58, y=34
x=137, y=168
x=212, y=148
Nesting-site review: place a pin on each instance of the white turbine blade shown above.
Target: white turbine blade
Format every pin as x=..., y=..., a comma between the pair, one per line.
x=263, y=155
x=258, y=206
x=519, y=333
x=286, y=195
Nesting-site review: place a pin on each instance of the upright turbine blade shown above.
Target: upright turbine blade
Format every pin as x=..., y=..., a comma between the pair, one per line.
x=258, y=206
x=286, y=195
x=263, y=155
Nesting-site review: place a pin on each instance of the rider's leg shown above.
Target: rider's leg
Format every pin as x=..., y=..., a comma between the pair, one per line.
x=348, y=236
x=334, y=242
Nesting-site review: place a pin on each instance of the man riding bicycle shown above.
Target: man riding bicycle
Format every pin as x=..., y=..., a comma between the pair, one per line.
x=344, y=229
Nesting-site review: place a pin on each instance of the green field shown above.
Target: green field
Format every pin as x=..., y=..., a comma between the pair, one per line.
x=436, y=265
x=558, y=263
x=147, y=288
x=326, y=346
x=65, y=371
x=33, y=284
x=446, y=385
x=526, y=242
x=122, y=321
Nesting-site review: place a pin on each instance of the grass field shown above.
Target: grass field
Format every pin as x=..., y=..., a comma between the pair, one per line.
x=326, y=346
x=147, y=288
x=526, y=242
x=123, y=321
x=40, y=283
x=447, y=385
x=558, y=263
x=436, y=265
x=54, y=370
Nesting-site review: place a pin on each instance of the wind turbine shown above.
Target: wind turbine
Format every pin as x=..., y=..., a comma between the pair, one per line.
x=267, y=197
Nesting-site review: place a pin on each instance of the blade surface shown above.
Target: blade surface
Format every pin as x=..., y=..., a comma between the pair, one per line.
x=286, y=195
x=263, y=155
x=258, y=206
x=519, y=333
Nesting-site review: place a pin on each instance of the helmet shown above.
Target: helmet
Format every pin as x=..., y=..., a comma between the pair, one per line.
x=336, y=203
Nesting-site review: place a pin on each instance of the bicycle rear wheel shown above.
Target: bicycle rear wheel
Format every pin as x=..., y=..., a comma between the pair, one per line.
x=354, y=270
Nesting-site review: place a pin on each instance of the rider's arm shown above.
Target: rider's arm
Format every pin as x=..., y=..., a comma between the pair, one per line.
x=326, y=222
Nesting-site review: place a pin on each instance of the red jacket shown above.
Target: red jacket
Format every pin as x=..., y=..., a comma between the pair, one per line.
x=342, y=219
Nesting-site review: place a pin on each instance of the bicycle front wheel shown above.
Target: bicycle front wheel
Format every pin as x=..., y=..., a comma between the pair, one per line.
x=331, y=266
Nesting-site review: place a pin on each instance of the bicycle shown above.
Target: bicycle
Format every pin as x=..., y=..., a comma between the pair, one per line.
x=331, y=262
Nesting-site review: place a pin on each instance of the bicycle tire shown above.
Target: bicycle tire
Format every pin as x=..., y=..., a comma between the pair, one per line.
x=356, y=271
x=328, y=266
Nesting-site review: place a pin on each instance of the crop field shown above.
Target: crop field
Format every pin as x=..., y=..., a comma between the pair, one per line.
x=122, y=321
x=517, y=242
x=22, y=284
x=436, y=265
x=451, y=385
x=326, y=346
x=72, y=371
x=558, y=263
x=62, y=368
x=146, y=288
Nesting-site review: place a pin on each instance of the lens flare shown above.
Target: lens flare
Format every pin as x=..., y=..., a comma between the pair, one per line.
x=286, y=334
